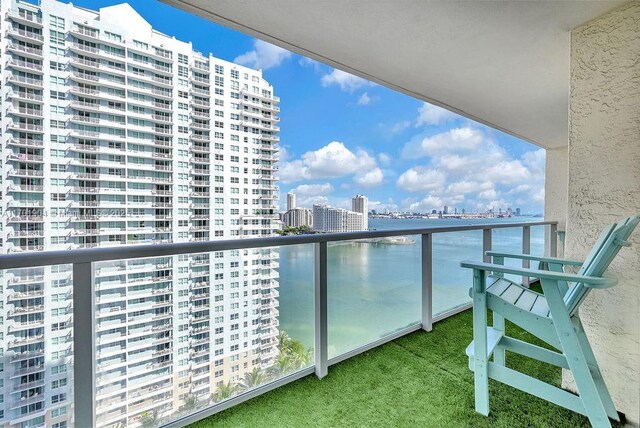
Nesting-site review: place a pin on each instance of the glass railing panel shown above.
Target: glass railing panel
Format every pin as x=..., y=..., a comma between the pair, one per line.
x=508, y=240
x=37, y=346
x=451, y=282
x=181, y=333
x=537, y=241
x=373, y=290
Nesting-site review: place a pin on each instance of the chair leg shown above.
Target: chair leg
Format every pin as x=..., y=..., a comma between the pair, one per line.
x=481, y=370
x=499, y=353
x=571, y=348
x=603, y=392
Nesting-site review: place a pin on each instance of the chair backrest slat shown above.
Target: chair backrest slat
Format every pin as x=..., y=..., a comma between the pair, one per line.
x=599, y=259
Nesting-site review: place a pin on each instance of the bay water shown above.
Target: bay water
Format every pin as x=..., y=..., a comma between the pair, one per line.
x=374, y=288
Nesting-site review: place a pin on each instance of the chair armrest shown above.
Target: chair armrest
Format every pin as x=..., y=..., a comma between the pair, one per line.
x=588, y=281
x=534, y=258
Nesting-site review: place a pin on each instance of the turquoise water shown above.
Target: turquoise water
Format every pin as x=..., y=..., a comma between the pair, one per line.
x=374, y=289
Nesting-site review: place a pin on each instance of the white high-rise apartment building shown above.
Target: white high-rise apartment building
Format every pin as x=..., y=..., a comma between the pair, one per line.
x=360, y=204
x=111, y=134
x=298, y=217
x=329, y=219
x=291, y=201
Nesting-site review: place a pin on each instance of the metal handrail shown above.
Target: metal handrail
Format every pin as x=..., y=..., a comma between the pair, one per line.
x=85, y=311
x=47, y=258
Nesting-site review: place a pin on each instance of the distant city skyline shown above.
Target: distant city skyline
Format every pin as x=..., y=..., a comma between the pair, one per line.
x=345, y=135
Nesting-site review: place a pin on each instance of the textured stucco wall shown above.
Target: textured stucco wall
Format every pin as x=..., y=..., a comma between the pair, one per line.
x=555, y=192
x=604, y=185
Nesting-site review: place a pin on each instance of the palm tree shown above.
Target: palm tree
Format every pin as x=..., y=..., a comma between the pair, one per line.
x=281, y=367
x=190, y=403
x=283, y=340
x=224, y=391
x=149, y=419
x=254, y=378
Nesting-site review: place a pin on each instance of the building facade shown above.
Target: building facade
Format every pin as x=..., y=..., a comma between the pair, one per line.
x=329, y=219
x=291, y=201
x=360, y=204
x=298, y=217
x=115, y=134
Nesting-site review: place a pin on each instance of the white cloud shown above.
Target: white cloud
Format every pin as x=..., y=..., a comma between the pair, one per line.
x=504, y=172
x=488, y=194
x=347, y=82
x=312, y=189
x=427, y=204
x=382, y=206
x=467, y=186
x=369, y=178
x=384, y=158
x=310, y=201
x=428, y=114
x=331, y=161
x=420, y=179
x=308, y=62
x=364, y=99
x=400, y=126
x=464, y=139
x=264, y=55
x=472, y=169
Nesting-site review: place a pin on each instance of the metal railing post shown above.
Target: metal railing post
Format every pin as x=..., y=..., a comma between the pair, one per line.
x=320, y=300
x=526, y=249
x=427, y=281
x=84, y=361
x=553, y=240
x=486, y=244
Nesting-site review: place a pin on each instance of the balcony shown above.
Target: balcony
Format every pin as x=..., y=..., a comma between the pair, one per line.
x=25, y=81
x=27, y=36
x=427, y=358
x=30, y=67
x=24, y=50
x=24, y=126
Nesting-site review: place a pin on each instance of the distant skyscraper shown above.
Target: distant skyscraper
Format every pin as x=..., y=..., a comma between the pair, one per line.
x=328, y=219
x=518, y=212
x=298, y=217
x=446, y=210
x=360, y=204
x=291, y=201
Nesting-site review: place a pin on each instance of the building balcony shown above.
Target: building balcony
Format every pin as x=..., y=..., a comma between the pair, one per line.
x=25, y=112
x=30, y=67
x=121, y=317
x=23, y=157
x=25, y=35
x=88, y=33
x=25, y=173
x=25, y=96
x=27, y=51
x=25, y=81
x=23, y=126
x=94, y=64
x=30, y=19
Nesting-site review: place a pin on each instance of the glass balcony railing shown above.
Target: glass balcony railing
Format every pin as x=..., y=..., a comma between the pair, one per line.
x=162, y=334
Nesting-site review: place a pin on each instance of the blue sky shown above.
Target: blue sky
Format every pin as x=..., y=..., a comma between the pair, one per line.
x=341, y=135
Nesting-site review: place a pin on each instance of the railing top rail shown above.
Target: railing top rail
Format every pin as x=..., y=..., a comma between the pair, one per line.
x=48, y=258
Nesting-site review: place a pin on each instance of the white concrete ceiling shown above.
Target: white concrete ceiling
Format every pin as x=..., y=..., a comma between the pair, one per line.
x=502, y=63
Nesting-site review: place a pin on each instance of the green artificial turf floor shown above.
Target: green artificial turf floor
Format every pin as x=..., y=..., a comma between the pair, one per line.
x=419, y=380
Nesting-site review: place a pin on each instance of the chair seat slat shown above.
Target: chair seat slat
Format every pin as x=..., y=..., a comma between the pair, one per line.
x=512, y=293
x=498, y=287
x=540, y=307
x=526, y=300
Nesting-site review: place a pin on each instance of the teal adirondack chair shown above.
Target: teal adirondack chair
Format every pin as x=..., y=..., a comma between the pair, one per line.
x=551, y=316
